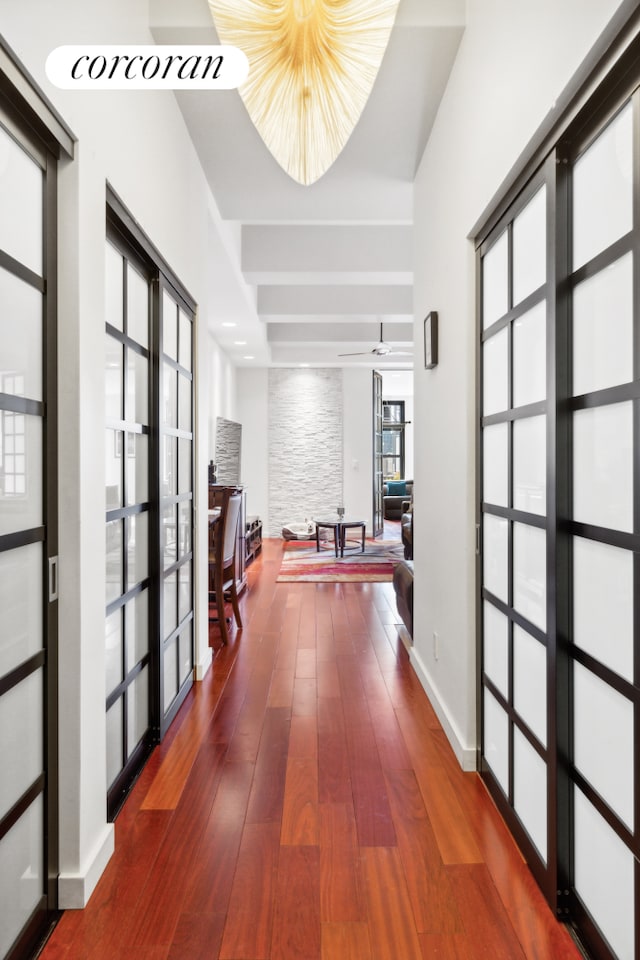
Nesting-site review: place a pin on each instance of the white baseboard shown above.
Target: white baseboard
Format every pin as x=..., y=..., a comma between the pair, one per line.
x=74, y=889
x=405, y=637
x=465, y=755
x=200, y=669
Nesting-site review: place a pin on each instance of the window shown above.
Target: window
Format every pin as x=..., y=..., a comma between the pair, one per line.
x=393, y=428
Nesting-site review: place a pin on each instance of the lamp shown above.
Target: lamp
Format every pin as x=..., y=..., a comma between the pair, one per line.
x=312, y=65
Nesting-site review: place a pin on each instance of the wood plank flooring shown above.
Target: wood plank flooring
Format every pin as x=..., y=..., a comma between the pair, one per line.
x=306, y=805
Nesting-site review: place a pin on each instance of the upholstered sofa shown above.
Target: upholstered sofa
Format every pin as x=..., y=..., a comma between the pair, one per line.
x=395, y=494
x=403, y=586
x=406, y=533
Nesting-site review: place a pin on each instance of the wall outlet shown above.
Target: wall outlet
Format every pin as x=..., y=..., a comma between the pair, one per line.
x=436, y=645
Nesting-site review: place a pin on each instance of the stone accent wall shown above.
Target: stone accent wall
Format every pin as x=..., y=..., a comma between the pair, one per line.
x=305, y=445
x=228, y=443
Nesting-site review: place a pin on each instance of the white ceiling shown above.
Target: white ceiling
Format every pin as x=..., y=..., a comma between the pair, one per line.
x=318, y=268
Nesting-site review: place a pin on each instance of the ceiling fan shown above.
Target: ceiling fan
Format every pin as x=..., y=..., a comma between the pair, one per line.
x=381, y=349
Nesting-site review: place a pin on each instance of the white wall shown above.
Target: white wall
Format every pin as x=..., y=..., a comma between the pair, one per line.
x=514, y=60
x=222, y=397
x=253, y=414
x=139, y=144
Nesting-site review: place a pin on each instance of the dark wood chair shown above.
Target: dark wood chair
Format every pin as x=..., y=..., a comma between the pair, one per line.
x=223, y=537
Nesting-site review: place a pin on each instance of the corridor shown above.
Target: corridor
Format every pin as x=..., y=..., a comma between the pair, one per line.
x=306, y=804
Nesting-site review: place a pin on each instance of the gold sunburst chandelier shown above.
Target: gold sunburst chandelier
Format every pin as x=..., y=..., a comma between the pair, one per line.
x=312, y=64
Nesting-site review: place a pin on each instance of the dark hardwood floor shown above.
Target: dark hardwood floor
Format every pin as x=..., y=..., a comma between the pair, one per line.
x=306, y=805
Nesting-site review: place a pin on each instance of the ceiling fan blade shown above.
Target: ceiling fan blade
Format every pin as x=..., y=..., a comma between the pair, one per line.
x=380, y=351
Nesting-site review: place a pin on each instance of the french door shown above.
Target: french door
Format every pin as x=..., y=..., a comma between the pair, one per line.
x=129, y=594
x=28, y=540
x=560, y=522
x=378, y=515
x=149, y=619
x=176, y=500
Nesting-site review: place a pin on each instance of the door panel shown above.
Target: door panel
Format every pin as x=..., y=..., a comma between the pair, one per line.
x=604, y=876
x=602, y=190
x=28, y=635
x=530, y=247
x=603, y=604
x=530, y=791
x=22, y=228
x=530, y=356
x=21, y=590
x=378, y=515
x=176, y=500
x=603, y=466
x=604, y=521
x=127, y=459
x=560, y=519
x=21, y=873
x=514, y=563
x=602, y=353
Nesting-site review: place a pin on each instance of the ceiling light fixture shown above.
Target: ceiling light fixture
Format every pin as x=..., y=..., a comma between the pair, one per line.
x=312, y=65
x=227, y=323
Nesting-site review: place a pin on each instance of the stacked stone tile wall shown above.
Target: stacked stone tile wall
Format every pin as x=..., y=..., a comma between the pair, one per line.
x=228, y=443
x=305, y=445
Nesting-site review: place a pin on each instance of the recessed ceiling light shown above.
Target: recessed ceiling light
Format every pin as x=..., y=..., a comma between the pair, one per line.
x=239, y=343
x=249, y=358
x=305, y=364
x=227, y=323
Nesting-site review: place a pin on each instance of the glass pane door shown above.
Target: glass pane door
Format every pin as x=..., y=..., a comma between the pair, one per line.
x=149, y=632
x=603, y=525
x=378, y=516
x=176, y=501
x=27, y=543
x=560, y=523
x=127, y=575
x=514, y=524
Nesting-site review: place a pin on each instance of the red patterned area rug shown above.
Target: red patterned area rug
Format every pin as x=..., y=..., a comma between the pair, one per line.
x=301, y=563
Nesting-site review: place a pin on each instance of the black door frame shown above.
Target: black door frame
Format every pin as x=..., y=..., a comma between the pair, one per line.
x=35, y=124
